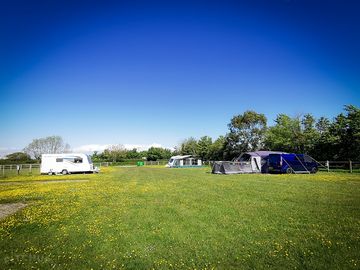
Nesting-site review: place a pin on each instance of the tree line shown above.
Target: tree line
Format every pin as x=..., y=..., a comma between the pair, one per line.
x=118, y=153
x=322, y=138
x=55, y=144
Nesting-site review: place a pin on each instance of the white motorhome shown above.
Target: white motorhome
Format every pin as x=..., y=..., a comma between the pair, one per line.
x=184, y=161
x=66, y=163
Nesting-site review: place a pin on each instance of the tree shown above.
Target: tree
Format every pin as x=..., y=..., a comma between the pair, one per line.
x=203, y=147
x=155, y=153
x=189, y=147
x=247, y=133
x=115, y=152
x=345, y=131
x=310, y=134
x=285, y=135
x=18, y=157
x=167, y=153
x=96, y=157
x=352, y=137
x=132, y=154
x=324, y=145
x=216, y=151
x=48, y=145
x=323, y=125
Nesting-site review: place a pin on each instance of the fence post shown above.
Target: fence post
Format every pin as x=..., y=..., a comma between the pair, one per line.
x=350, y=166
x=327, y=166
x=30, y=168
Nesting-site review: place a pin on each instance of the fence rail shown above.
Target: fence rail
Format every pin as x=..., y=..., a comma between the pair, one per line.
x=340, y=166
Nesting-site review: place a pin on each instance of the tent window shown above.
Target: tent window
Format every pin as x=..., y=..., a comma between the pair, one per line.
x=245, y=157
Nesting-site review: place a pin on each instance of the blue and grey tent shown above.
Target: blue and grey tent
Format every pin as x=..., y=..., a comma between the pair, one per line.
x=248, y=162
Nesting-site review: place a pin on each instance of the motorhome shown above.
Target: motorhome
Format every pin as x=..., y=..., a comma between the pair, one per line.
x=184, y=162
x=66, y=164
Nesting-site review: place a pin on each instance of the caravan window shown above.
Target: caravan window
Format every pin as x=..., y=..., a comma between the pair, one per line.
x=59, y=160
x=74, y=159
x=78, y=160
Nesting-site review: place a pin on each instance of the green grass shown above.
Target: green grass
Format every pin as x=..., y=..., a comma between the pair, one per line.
x=142, y=218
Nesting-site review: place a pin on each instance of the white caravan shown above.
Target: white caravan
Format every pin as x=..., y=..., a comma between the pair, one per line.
x=66, y=163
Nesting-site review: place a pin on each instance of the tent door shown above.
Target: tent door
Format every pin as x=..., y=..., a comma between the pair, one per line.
x=255, y=164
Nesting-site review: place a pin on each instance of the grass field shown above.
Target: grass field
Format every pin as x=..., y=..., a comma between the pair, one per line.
x=143, y=218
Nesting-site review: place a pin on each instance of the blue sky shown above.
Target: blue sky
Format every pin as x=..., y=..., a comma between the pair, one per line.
x=144, y=72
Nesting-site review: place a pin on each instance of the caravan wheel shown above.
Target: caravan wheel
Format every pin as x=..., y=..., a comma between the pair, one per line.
x=289, y=171
x=64, y=172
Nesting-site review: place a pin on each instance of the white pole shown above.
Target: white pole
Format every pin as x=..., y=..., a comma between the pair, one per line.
x=350, y=165
x=327, y=166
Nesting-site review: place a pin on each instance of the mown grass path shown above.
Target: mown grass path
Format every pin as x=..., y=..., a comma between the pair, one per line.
x=142, y=218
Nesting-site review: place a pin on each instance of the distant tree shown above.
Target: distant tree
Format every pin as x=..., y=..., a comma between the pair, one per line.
x=204, y=147
x=18, y=157
x=285, y=135
x=167, y=153
x=115, y=152
x=48, y=145
x=176, y=151
x=246, y=133
x=324, y=146
x=345, y=131
x=352, y=137
x=323, y=125
x=96, y=157
x=132, y=154
x=322, y=139
x=143, y=154
x=216, y=151
x=156, y=153
x=310, y=134
x=189, y=147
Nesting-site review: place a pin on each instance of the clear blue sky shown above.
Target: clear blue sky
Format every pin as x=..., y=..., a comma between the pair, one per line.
x=142, y=72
